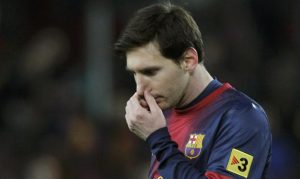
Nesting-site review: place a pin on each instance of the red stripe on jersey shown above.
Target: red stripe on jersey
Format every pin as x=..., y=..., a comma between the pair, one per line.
x=205, y=101
x=180, y=122
x=214, y=175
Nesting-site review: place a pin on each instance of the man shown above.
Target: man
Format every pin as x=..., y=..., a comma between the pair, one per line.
x=196, y=127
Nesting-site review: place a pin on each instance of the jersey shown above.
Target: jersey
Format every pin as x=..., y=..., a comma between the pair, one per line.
x=224, y=135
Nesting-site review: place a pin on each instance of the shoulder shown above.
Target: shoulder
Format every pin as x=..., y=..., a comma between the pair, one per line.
x=244, y=114
x=239, y=104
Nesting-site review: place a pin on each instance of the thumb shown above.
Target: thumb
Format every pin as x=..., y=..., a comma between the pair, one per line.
x=151, y=101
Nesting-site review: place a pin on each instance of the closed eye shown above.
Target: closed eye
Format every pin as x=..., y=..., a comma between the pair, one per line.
x=149, y=72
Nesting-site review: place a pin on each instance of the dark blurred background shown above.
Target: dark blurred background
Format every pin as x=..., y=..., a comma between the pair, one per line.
x=63, y=91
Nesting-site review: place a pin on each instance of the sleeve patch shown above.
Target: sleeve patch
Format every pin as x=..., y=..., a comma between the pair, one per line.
x=239, y=163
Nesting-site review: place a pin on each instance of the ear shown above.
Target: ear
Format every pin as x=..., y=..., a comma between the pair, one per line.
x=190, y=59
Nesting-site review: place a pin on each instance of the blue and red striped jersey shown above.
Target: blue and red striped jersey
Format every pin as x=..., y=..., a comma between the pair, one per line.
x=224, y=135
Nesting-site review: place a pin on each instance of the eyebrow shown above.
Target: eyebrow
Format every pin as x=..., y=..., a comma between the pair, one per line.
x=154, y=68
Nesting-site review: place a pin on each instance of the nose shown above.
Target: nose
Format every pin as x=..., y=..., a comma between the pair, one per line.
x=141, y=84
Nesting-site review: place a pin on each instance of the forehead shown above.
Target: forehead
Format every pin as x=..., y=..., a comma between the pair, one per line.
x=146, y=56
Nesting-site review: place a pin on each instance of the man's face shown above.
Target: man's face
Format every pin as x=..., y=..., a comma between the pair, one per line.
x=164, y=79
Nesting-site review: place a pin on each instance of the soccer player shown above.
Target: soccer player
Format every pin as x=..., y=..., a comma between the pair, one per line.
x=196, y=126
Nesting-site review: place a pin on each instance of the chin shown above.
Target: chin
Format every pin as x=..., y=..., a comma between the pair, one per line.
x=161, y=105
x=164, y=106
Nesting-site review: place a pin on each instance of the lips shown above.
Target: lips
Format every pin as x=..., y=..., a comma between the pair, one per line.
x=158, y=99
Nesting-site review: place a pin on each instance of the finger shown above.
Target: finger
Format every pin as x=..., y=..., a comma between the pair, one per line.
x=135, y=99
x=143, y=103
x=128, y=106
x=134, y=104
x=140, y=102
x=151, y=101
x=128, y=122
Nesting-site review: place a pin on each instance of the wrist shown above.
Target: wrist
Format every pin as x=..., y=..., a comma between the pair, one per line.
x=160, y=144
x=159, y=133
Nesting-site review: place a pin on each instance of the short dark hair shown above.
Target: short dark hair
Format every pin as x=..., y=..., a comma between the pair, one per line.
x=171, y=26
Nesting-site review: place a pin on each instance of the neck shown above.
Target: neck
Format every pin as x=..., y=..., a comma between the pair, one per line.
x=199, y=79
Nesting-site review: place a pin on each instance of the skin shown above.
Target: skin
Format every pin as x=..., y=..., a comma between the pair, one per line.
x=161, y=84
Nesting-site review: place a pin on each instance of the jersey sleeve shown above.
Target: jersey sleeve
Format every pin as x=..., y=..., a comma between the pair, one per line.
x=241, y=148
x=243, y=144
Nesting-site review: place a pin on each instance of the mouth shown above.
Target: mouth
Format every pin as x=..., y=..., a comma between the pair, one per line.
x=158, y=99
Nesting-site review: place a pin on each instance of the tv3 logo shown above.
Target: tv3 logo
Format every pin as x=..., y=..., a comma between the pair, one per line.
x=243, y=162
x=239, y=163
